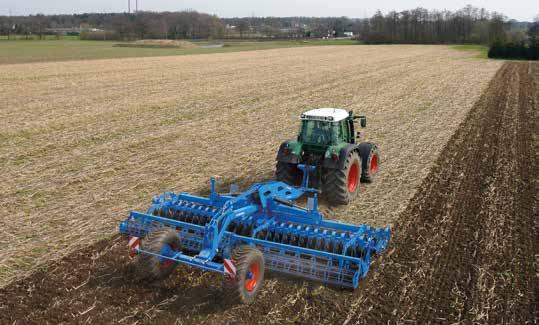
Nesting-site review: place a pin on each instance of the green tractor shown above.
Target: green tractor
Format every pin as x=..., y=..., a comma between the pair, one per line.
x=328, y=140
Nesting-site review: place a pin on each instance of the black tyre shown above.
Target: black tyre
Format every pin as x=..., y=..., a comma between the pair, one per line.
x=370, y=158
x=160, y=241
x=249, y=272
x=342, y=185
x=288, y=173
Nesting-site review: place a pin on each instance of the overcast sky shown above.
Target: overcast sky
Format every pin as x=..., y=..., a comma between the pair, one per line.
x=517, y=9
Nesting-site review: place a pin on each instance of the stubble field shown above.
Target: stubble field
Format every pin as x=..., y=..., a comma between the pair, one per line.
x=85, y=142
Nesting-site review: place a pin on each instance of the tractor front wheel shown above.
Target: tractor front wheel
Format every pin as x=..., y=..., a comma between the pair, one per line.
x=164, y=242
x=249, y=272
x=371, y=161
x=342, y=185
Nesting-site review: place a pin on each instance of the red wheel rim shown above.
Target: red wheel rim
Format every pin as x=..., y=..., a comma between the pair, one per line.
x=353, y=177
x=374, y=165
x=168, y=263
x=251, y=278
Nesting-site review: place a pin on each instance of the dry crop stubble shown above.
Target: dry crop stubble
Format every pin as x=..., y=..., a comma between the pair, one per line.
x=85, y=142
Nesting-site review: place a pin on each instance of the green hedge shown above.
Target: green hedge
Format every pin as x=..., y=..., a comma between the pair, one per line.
x=516, y=51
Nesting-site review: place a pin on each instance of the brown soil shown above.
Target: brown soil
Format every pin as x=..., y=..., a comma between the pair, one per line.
x=462, y=251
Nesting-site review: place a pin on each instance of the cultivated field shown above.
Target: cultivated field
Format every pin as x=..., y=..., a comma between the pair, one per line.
x=465, y=249
x=85, y=142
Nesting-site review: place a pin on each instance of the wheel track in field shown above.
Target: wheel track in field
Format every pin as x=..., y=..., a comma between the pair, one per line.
x=462, y=251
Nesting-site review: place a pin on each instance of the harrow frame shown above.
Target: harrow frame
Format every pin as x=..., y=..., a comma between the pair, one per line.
x=314, y=248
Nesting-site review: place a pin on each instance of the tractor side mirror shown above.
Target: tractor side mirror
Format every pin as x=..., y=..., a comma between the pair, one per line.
x=363, y=121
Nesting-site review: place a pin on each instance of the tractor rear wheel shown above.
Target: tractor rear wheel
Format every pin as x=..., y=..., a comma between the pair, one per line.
x=250, y=268
x=371, y=161
x=342, y=185
x=164, y=241
x=288, y=173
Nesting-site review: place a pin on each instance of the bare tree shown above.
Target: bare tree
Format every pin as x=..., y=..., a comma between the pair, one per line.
x=140, y=27
x=243, y=26
x=496, y=27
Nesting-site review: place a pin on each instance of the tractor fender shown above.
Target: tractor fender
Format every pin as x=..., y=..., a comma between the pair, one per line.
x=343, y=154
x=291, y=158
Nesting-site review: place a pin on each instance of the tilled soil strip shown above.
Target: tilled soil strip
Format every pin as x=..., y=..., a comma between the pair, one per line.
x=462, y=251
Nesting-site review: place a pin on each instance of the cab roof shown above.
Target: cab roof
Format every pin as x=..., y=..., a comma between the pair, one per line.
x=325, y=114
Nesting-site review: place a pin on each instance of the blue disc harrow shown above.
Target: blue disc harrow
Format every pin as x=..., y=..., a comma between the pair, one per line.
x=266, y=219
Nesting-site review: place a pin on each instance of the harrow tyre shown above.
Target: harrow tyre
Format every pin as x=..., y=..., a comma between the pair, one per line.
x=370, y=158
x=341, y=186
x=288, y=173
x=152, y=268
x=249, y=273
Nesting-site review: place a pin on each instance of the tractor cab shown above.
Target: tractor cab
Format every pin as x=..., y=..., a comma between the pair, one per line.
x=318, y=132
x=324, y=126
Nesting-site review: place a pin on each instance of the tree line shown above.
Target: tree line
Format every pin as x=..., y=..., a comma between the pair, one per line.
x=292, y=27
x=176, y=25
x=417, y=26
x=421, y=26
x=118, y=26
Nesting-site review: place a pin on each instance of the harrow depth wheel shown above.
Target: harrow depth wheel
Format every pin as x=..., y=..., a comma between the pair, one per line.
x=164, y=242
x=249, y=272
